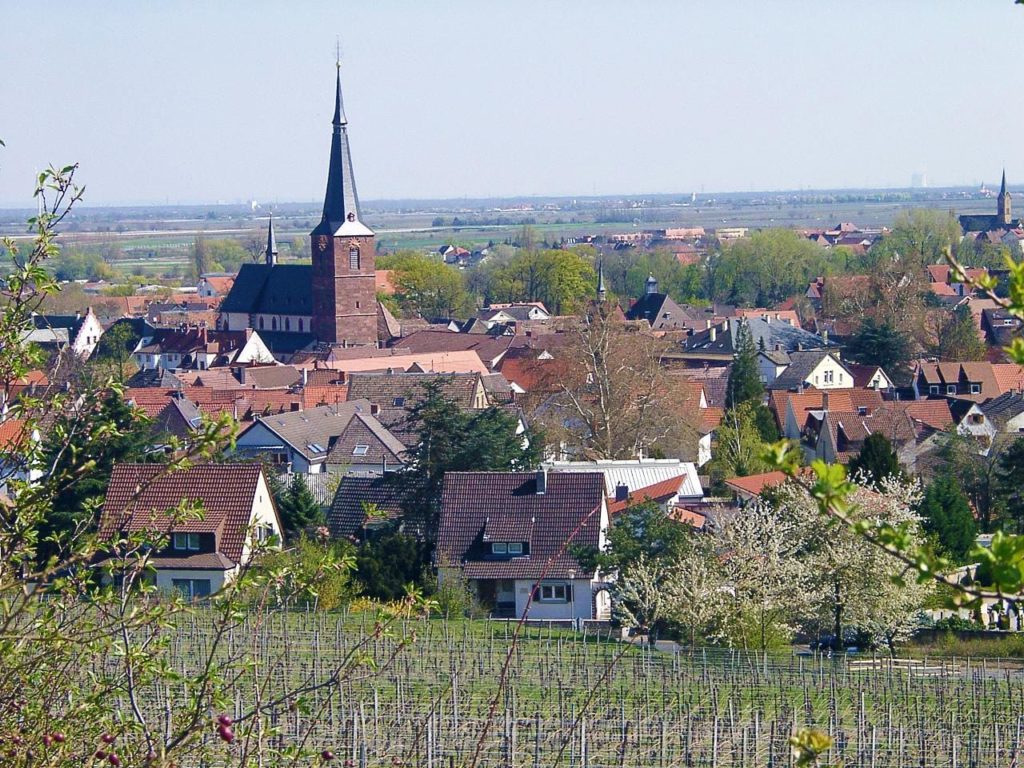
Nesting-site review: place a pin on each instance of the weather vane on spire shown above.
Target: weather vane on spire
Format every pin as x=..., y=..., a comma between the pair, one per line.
x=337, y=51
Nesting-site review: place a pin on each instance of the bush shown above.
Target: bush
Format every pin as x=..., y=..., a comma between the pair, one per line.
x=455, y=598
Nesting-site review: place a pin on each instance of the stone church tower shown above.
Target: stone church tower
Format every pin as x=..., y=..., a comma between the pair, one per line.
x=1004, y=206
x=344, y=263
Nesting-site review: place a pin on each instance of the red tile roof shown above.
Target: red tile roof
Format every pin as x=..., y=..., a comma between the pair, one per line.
x=140, y=496
x=660, y=491
x=753, y=485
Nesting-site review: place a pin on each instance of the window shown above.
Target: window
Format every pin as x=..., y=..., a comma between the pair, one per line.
x=499, y=548
x=977, y=418
x=399, y=402
x=515, y=548
x=192, y=588
x=353, y=258
x=300, y=325
x=828, y=377
x=360, y=450
x=554, y=593
x=273, y=323
x=975, y=389
x=287, y=324
x=933, y=389
x=263, y=533
x=261, y=323
x=951, y=389
x=186, y=542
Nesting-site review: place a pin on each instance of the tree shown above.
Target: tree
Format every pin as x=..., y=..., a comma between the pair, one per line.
x=744, y=377
x=613, y=399
x=740, y=448
x=201, y=260
x=562, y=279
x=299, y=511
x=427, y=287
x=765, y=268
x=959, y=339
x=1011, y=478
x=113, y=353
x=642, y=531
x=979, y=473
x=876, y=461
x=883, y=345
x=946, y=515
x=764, y=572
x=388, y=564
x=449, y=439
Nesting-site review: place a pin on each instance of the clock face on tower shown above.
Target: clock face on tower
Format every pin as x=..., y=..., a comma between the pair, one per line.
x=321, y=243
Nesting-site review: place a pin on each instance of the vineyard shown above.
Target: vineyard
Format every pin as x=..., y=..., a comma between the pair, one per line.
x=585, y=699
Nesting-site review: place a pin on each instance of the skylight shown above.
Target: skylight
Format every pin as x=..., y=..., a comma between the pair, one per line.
x=360, y=450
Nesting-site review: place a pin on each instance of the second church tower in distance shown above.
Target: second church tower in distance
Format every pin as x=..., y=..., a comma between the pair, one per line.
x=343, y=251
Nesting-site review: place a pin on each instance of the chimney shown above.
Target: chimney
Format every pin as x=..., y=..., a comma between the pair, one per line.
x=542, y=481
x=708, y=324
x=824, y=336
x=621, y=492
x=824, y=400
x=713, y=333
x=305, y=376
x=374, y=409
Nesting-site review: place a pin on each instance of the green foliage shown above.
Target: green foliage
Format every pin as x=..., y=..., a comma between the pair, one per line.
x=455, y=597
x=765, y=268
x=765, y=421
x=958, y=338
x=113, y=353
x=81, y=449
x=453, y=440
x=626, y=273
x=744, y=377
x=740, y=449
x=299, y=511
x=313, y=572
x=1011, y=479
x=642, y=531
x=946, y=515
x=562, y=280
x=386, y=565
x=427, y=287
x=876, y=461
x=883, y=345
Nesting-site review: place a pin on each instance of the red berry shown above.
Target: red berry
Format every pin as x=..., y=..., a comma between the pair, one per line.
x=225, y=720
x=226, y=733
x=108, y=738
x=114, y=760
x=47, y=740
x=59, y=737
x=100, y=755
x=327, y=755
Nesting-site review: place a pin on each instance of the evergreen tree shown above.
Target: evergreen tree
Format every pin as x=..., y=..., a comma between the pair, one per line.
x=881, y=344
x=947, y=516
x=452, y=440
x=298, y=509
x=1011, y=480
x=959, y=339
x=744, y=378
x=876, y=461
x=387, y=564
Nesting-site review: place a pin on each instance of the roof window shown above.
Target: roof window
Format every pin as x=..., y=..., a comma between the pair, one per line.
x=360, y=450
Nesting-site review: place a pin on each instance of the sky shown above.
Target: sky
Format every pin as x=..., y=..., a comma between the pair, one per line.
x=203, y=102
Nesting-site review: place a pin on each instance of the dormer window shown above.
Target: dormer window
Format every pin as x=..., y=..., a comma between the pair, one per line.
x=933, y=389
x=506, y=548
x=951, y=389
x=975, y=389
x=185, y=542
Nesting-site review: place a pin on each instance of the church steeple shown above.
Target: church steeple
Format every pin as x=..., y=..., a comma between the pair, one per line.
x=1004, y=205
x=602, y=294
x=341, y=203
x=271, y=252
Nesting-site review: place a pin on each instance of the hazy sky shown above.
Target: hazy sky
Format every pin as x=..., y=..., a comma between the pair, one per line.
x=207, y=101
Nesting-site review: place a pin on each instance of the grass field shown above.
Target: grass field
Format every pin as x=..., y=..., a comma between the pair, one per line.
x=587, y=700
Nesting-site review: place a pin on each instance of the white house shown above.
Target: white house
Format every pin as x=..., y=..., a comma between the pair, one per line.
x=79, y=332
x=983, y=422
x=817, y=368
x=505, y=533
x=202, y=554
x=200, y=348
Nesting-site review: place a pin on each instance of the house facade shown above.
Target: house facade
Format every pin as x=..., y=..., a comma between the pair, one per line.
x=204, y=553
x=508, y=534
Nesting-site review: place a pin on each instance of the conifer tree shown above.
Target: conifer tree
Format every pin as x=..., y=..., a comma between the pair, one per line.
x=744, y=378
x=298, y=509
x=947, y=516
x=958, y=338
x=876, y=461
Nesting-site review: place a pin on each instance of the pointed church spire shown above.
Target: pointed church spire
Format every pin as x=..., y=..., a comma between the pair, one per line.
x=601, y=293
x=271, y=252
x=341, y=203
x=1004, y=209
x=1002, y=188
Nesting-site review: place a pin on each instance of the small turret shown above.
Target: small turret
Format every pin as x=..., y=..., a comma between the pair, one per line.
x=652, y=284
x=602, y=294
x=271, y=252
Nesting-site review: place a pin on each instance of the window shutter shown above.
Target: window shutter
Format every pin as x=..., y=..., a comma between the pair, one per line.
x=568, y=591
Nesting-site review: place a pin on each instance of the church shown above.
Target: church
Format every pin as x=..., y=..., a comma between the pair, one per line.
x=330, y=302
x=1002, y=220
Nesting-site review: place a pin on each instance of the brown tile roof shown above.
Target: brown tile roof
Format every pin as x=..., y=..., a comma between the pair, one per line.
x=931, y=413
x=313, y=396
x=533, y=375
x=312, y=432
x=347, y=514
x=364, y=430
x=220, y=283
x=471, y=499
x=271, y=376
x=710, y=419
x=12, y=435
x=403, y=390
x=140, y=496
x=862, y=374
x=838, y=400
x=894, y=423
x=489, y=348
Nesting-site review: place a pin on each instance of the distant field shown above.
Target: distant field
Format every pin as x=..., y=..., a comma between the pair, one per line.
x=601, y=703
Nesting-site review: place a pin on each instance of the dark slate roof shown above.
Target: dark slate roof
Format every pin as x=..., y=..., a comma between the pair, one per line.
x=383, y=389
x=800, y=367
x=475, y=502
x=773, y=334
x=313, y=431
x=280, y=289
x=1003, y=408
x=73, y=323
x=982, y=222
x=347, y=515
x=660, y=312
x=283, y=343
x=364, y=430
